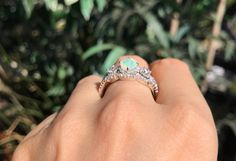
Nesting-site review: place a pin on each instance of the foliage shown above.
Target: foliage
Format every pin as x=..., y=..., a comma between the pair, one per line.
x=46, y=46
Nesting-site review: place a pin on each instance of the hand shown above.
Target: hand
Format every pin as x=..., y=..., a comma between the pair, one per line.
x=127, y=124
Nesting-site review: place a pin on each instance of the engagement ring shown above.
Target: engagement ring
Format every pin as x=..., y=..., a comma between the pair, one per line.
x=128, y=69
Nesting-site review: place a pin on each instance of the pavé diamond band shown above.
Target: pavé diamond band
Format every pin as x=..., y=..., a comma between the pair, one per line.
x=129, y=69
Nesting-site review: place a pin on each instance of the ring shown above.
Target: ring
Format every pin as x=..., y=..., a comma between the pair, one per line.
x=128, y=69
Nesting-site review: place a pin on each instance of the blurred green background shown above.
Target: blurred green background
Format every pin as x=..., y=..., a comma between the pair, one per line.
x=46, y=46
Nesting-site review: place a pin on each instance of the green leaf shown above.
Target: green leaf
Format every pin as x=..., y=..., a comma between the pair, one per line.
x=182, y=31
x=192, y=47
x=101, y=4
x=28, y=6
x=51, y=69
x=96, y=49
x=61, y=72
x=229, y=49
x=70, y=2
x=86, y=7
x=70, y=70
x=51, y=4
x=164, y=54
x=56, y=108
x=199, y=71
x=56, y=90
x=112, y=57
x=156, y=27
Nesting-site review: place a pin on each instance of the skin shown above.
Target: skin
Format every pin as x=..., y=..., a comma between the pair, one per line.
x=127, y=124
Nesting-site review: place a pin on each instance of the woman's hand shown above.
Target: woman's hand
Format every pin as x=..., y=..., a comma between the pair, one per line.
x=126, y=124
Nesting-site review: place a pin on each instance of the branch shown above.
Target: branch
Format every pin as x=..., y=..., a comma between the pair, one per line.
x=215, y=33
x=174, y=24
x=213, y=46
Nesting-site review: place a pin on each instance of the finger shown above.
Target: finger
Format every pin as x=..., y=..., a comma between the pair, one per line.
x=43, y=125
x=176, y=83
x=129, y=88
x=84, y=96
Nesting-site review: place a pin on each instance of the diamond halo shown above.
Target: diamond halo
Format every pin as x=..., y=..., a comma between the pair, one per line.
x=128, y=69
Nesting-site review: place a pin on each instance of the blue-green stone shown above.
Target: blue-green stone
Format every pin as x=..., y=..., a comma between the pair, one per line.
x=128, y=63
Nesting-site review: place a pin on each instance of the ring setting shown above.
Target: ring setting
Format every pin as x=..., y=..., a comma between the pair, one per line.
x=128, y=69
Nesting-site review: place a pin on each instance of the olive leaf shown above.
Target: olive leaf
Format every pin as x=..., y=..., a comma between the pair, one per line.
x=86, y=7
x=112, y=57
x=28, y=6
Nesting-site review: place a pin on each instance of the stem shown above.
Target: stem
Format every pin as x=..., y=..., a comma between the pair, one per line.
x=215, y=33
x=174, y=24
x=216, y=30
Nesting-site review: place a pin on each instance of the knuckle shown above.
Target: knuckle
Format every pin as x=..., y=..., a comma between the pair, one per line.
x=35, y=149
x=26, y=150
x=60, y=127
x=21, y=153
x=170, y=62
x=173, y=61
x=189, y=125
x=63, y=126
x=88, y=79
x=196, y=126
x=188, y=117
x=67, y=132
x=186, y=113
x=122, y=111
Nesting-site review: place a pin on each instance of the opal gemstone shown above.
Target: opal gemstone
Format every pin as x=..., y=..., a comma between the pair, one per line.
x=128, y=64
